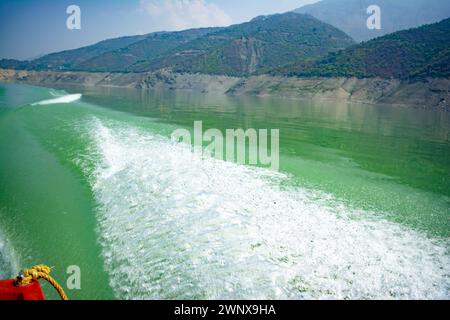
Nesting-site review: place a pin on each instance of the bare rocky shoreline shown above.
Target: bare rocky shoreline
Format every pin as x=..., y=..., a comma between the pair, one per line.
x=430, y=93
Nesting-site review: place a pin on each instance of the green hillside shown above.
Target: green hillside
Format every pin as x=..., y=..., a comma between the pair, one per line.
x=264, y=43
x=110, y=55
x=419, y=52
x=70, y=58
x=154, y=46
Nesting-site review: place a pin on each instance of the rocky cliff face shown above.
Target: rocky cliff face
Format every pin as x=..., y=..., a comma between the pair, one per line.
x=247, y=51
x=430, y=93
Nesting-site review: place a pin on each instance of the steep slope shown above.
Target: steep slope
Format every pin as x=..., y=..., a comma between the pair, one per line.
x=419, y=52
x=256, y=46
x=110, y=55
x=70, y=58
x=253, y=47
x=155, y=45
x=351, y=15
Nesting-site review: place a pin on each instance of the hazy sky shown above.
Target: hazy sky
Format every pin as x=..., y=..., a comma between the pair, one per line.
x=29, y=28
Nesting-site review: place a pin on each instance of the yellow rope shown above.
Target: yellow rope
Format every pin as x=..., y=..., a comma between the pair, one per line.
x=40, y=272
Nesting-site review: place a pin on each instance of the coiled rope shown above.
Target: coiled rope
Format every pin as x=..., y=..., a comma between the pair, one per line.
x=40, y=272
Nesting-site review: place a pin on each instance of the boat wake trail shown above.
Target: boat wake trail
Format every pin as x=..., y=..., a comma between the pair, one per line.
x=8, y=264
x=63, y=99
x=174, y=225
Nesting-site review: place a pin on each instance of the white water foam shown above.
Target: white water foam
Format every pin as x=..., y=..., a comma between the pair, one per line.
x=174, y=226
x=64, y=99
x=8, y=261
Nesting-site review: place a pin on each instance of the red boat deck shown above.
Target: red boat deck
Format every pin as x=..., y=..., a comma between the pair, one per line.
x=32, y=291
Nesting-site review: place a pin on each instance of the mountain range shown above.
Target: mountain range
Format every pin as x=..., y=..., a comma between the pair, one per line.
x=351, y=16
x=289, y=44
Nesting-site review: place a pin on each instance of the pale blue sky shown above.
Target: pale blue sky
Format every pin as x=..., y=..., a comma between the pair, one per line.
x=29, y=28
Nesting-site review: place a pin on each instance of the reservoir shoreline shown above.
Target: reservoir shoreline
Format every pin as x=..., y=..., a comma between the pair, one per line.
x=432, y=93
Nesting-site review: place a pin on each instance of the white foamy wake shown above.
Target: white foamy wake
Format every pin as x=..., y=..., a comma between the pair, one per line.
x=175, y=226
x=64, y=99
x=8, y=262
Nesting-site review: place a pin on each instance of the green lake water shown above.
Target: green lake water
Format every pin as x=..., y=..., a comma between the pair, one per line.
x=360, y=207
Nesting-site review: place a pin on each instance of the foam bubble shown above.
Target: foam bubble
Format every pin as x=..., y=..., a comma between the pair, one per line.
x=64, y=99
x=174, y=225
